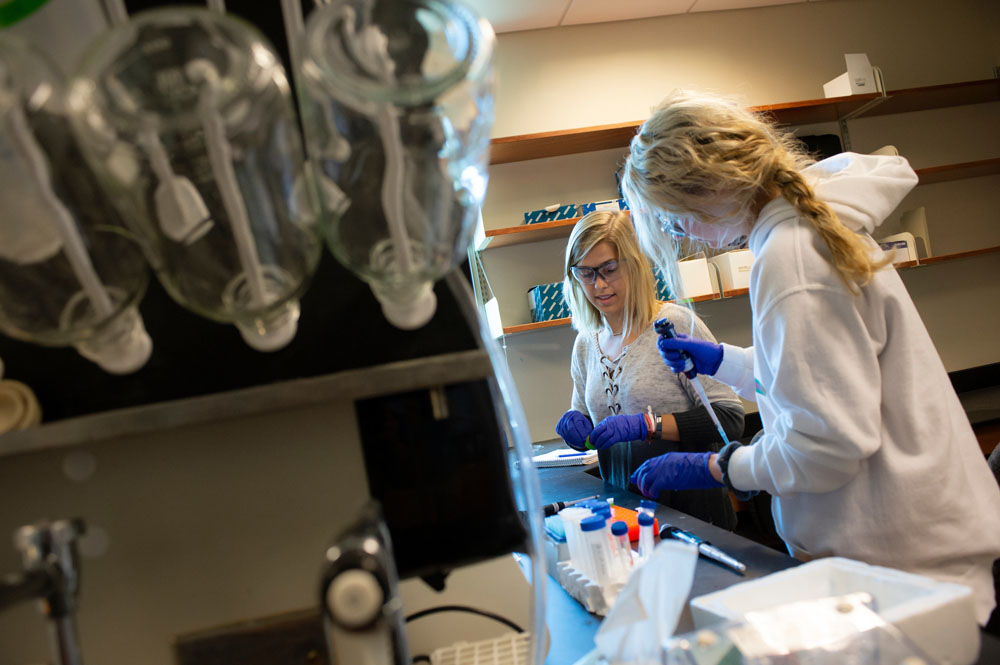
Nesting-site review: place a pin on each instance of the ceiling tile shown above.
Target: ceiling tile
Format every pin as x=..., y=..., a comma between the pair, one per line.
x=600, y=11
x=514, y=15
x=716, y=5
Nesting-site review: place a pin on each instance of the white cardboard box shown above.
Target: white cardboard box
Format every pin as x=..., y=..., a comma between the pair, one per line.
x=915, y=222
x=695, y=278
x=938, y=617
x=734, y=268
x=858, y=79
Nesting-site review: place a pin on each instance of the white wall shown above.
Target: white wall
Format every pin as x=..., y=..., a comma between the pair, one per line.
x=596, y=74
x=204, y=525
x=589, y=75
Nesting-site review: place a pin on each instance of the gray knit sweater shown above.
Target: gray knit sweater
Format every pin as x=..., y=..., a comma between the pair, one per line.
x=639, y=378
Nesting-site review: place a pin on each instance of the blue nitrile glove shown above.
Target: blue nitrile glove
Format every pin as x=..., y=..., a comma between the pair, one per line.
x=615, y=429
x=706, y=356
x=574, y=428
x=674, y=471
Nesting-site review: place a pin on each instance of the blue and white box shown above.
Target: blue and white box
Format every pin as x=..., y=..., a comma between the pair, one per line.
x=551, y=214
x=662, y=290
x=613, y=205
x=546, y=302
x=903, y=244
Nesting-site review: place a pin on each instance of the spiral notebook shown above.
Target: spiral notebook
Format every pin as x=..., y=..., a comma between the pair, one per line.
x=565, y=457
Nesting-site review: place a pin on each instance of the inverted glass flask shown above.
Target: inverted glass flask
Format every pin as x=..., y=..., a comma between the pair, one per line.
x=186, y=116
x=397, y=108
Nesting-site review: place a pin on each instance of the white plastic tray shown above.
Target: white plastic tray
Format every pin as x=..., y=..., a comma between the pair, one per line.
x=938, y=617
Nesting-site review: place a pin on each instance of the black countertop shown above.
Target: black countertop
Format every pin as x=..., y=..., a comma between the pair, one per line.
x=572, y=628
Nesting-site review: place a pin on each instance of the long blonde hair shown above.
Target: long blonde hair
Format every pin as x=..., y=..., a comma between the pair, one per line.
x=697, y=150
x=615, y=228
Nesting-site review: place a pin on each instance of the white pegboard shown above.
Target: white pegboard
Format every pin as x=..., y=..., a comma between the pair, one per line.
x=510, y=649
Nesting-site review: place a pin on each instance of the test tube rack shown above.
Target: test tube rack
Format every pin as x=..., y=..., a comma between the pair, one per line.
x=595, y=598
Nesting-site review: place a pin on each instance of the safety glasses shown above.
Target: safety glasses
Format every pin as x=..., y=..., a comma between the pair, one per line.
x=587, y=275
x=669, y=225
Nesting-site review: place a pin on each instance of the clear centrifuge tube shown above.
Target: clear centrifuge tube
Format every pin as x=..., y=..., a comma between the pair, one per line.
x=622, y=549
x=596, y=542
x=571, y=518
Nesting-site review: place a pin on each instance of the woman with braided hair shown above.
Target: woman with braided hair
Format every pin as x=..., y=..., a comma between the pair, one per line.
x=865, y=449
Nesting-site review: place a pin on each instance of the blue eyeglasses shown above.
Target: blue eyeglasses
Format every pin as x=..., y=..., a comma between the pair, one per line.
x=587, y=275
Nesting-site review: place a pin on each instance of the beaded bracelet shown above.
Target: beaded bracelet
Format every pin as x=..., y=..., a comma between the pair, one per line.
x=723, y=461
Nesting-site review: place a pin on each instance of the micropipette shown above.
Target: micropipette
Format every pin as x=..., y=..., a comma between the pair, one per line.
x=666, y=329
x=553, y=508
x=705, y=548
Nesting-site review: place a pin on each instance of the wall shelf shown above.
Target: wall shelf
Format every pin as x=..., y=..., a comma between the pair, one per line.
x=540, y=325
x=604, y=137
x=735, y=293
x=517, y=235
x=949, y=172
x=525, y=233
x=555, y=323
x=944, y=258
x=937, y=96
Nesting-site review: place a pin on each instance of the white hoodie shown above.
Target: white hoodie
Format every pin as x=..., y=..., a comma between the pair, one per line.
x=866, y=449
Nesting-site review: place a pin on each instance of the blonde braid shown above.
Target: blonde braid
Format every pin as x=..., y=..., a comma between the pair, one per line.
x=851, y=254
x=697, y=149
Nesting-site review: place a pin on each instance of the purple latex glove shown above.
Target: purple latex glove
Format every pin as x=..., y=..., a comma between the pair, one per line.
x=706, y=356
x=615, y=429
x=674, y=471
x=574, y=428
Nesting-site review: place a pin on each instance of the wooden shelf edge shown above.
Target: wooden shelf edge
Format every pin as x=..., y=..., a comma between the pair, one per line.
x=907, y=100
x=528, y=327
x=948, y=172
x=524, y=233
x=944, y=258
x=555, y=323
x=524, y=147
x=704, y=298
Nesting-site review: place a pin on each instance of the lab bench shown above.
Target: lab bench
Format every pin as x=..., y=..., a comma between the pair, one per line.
x=572, y=628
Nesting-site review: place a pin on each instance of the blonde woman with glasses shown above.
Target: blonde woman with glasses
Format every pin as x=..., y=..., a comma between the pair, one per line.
x=626, y=403
x=866, y=449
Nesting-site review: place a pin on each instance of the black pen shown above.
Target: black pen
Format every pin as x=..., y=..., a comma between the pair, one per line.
x=554, y=508
x=705, y=548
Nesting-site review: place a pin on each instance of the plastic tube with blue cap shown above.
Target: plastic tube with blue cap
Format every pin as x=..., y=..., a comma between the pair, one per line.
x=645, y=536
x=596, y=542
x=647, y=506
x=622, y=549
